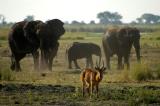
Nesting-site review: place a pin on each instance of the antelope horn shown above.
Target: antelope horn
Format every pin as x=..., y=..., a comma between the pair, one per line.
x=96, y=64
x=102, y=64
x=99, y=62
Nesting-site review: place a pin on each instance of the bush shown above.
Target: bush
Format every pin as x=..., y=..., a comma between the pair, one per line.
x=147, y=96
x=158, y=38
x=141, y=72
x=6, y=74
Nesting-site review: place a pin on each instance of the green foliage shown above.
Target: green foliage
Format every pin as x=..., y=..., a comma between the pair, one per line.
x=107, y=17
x=3, y=38
x=148, y=18
x=146, y=96
x=29, y=18
x=158, y=38
x=141, y=72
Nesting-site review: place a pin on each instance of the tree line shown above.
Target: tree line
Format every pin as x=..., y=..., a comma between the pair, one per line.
x=105, y=17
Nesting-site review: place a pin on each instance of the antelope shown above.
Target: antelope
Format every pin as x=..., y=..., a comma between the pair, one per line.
x=91, y=78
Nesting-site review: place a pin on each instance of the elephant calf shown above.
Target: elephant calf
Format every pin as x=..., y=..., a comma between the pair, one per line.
x=79, y=50
x=119, y=42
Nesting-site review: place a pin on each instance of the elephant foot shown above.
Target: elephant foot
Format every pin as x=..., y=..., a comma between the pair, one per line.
x=69, y=67
x=12, y=67
x=18, y=69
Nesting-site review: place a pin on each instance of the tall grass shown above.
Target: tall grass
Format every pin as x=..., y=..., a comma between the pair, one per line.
x=6, y=74
x=141, y=72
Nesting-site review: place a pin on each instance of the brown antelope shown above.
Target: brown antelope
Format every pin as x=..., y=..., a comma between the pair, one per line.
x=91, y=78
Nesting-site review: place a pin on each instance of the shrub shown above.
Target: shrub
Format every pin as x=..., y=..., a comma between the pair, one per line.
x=158, y=38
x=3, y=38
x=147, y=96
x=141, y=72
x=6, y=74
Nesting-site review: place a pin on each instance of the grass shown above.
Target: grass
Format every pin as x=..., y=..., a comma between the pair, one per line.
x=137, y=86
x=141, y=72
x=6, y=74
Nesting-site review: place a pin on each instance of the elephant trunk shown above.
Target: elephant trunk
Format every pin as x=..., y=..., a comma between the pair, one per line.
x=137, y=49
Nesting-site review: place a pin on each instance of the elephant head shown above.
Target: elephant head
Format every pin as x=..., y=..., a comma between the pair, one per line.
x=95, y=49
x=49, y=34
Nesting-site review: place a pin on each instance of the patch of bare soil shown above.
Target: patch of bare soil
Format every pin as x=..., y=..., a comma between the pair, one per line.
x=36, y=88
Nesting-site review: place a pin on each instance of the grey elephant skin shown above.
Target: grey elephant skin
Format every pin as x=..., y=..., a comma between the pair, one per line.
x=79, y=50
x=28, y=37
x=119, y=41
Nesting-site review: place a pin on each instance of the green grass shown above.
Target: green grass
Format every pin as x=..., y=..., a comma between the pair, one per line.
x=141, y=72
x=137, y=86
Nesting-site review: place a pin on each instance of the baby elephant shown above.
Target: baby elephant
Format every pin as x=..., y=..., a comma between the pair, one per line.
x=91, y=78
x=82, y=50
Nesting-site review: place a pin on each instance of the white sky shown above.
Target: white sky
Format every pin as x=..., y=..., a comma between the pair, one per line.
x=80, y=10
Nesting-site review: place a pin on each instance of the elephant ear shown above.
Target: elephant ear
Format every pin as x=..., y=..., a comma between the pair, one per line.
x=123, y=32
x=134, y=33
x=30, y=31
x=31, y=27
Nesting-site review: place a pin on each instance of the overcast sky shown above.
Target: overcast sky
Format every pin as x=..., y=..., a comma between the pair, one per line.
x=80, y=10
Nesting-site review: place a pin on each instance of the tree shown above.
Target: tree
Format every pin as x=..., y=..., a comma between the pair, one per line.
x=107, y=17
x=149, y=18
x=2, y=19
x=75, y=22
x=140, y=20
x=92, y=22
x=29, y=18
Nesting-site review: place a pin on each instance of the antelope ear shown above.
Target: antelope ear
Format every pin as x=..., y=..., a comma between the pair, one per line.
x=96, y=68
x=104, y=69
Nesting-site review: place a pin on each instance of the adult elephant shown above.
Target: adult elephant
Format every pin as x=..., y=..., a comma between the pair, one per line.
x=27, y=37
x=21, y=43
x=119, y=42
x=49, y=34
x=79, y=50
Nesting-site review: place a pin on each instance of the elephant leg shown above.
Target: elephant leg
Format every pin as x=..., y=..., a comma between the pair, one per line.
x=17, y=66
x=120, y=66
x=108, y=62
x=36, y=60
x=12, y=67
x=69, y=63
x=50, y=64
x=43, y=60
x=76, y=64
x=136, y=45
x=18, y=57
x=51, y=57
x=126, y=61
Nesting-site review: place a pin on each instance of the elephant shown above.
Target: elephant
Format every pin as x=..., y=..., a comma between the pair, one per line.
x=27, y=37
x=79, y=50
x=119, y=41
x=49, y=33
x=20, y=44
